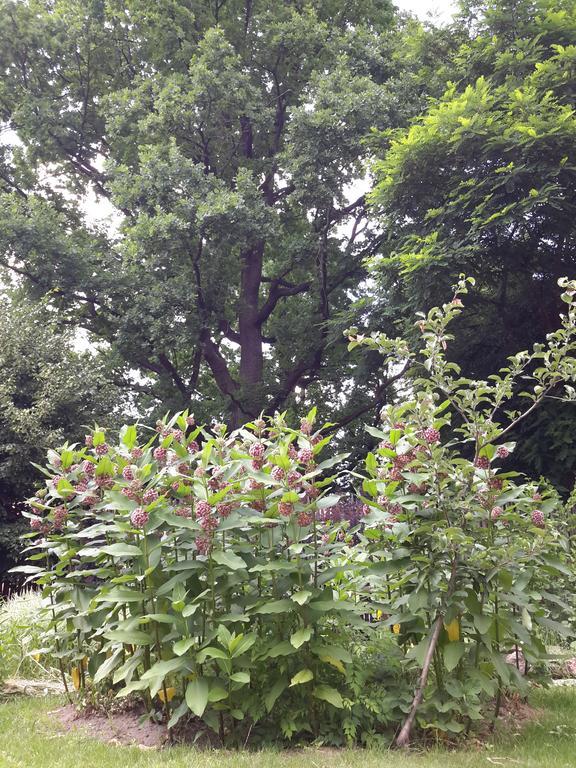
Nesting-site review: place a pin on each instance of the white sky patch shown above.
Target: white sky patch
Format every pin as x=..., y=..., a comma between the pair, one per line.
x=438, y=11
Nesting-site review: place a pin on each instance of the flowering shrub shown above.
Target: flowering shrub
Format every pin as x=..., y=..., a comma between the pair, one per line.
x=215, y=574
x=464, y=553
x=195, y=567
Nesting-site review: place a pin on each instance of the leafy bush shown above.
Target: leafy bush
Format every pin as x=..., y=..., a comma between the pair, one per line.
x=465, y=553
x=215, y=573
x=201, y=575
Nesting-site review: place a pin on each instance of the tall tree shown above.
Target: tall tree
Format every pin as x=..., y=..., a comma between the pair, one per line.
x=485, y=183
x=227, y=134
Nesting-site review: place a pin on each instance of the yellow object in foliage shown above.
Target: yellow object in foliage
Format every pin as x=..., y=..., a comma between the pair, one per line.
x=336, y=663
x=75, y=674
x=85, y=663
x=396, y=629
x=37, y=656
x=453, y=630
x=170, y=693
x=378, y=615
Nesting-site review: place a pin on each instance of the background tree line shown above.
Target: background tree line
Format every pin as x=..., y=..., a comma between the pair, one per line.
x=278, y=171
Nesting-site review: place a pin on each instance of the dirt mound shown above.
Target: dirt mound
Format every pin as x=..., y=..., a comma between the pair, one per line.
x=126, y=728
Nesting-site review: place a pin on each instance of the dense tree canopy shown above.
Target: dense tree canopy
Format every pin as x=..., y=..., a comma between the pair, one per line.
x=485, y=183
x=228, y=135
x=232, y=140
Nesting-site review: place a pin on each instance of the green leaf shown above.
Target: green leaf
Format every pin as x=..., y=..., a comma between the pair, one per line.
x=217, y=693
x=275, y=606
x=555, y=626
x=197, y=696
x=163, y=668
x=329, y=694
x=129, y=436
x=177, y=714
x=271, y=697
x=241, y=644
x=183, y=645
x=482, y=623
x=211, y=653
x=229, y=559
x=300, y=637
x=332, y=651
x=327, y=501
x=160, y=618
x=301, y=597
x=120, y=595
x=122, y=550
x=129, y=637
x=453, y=652
x=332, y=605
x=108, y=666
x=240, y=677
x=304, y=676
x=284, y=648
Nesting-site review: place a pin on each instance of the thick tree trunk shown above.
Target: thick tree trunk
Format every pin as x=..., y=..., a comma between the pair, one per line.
x=250, y=330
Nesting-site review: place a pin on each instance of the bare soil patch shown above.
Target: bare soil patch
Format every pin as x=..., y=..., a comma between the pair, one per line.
x=125, y=728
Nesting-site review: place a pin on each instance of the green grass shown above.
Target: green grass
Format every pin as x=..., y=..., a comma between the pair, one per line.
x=29, y=738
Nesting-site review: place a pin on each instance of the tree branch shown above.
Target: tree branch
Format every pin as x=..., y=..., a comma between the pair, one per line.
x=279, y=289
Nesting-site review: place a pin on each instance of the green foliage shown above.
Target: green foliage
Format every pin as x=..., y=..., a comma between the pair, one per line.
x=202, y=576
x=225, y=137
x=464, y=553
x=201, y=568
x=47, y=391
x=483, y=183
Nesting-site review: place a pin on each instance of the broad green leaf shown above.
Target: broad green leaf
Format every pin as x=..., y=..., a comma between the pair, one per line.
x=108, y=666
x=275, y=606
x=217, y=693
x=555, y=626
x=160, y=618
x=301, y=597
x=179, y=712
x=271, y=697
x=197, y=696
x=300, y=637
x=327, y=501
x=482, y=623
x=304, y=676
x=332, y=605
x=285, y=648
x=240, y=677
x=129, y=637
x=329, y=694
x=241, y=644
x=211, y=653
x=453, y=652
x=122, y=550
x=163, y=668
x=120, y=595
x=229, y=559
x=334, y=651
x=129, y=436
x=183, y=645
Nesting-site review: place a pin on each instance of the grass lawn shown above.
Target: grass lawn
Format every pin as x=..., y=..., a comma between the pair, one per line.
x=29, y=738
